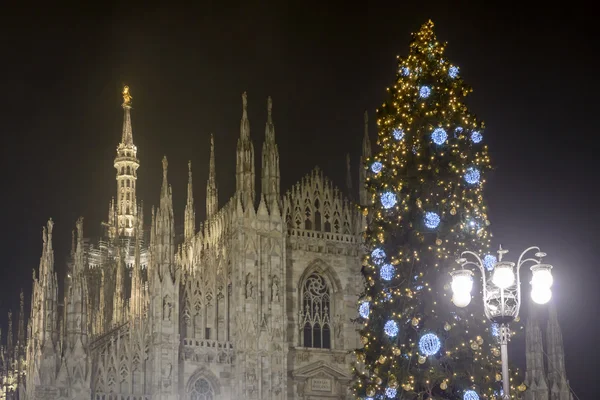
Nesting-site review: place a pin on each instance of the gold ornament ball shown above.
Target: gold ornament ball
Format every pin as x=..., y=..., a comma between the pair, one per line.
x=447, y=286
x=495, y=352
x=370, y=391
x=517, y=319
x=487, y=222
x=443, y=385
x=522, y=387
x=364, y=339
x=378, y=380
x=474, y=346
x=366, y=212
x=381, y=359
x=498, y=377
x=392, y=382
x=447, y=327
x=453, y=211
x=422, y=360
x=438, y=242
x=397, y=351
x=415, y=321
x=479, y=340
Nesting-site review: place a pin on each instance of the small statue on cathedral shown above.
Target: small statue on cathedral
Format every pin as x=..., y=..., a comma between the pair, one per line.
x=249, y=286
x=275, y=290
x=126, y=96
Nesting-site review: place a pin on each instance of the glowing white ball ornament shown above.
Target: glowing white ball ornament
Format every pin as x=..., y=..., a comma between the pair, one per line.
x=504, y=276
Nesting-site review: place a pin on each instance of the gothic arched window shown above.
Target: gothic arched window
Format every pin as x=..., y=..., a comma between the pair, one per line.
x=202, y=390
x=315, y=312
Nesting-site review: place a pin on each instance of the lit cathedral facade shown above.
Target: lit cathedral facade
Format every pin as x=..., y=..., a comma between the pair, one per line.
x=256, y=303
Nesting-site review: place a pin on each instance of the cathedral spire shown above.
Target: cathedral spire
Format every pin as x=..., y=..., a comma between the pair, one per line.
x=362, y=171
x=270, y=161
x=245, y=160
x=212, y=193
x=118, y=298
x=126, y=164
x=190, y=214
x=535, y=375
x=557, y=375
x=135, y=304
x=21, y=325
x=348, y=175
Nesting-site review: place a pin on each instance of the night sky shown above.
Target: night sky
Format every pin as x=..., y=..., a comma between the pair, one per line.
x=324, y=64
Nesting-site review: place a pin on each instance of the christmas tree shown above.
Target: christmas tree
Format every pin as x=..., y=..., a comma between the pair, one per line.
x=427, y=207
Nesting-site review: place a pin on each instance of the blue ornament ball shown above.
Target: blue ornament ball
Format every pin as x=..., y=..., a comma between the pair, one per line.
x=429, y=344
x=470, y=395
x=388, y=200
x=439, y=136
x=489, y=261
x=424, y=92
x=390, y=392
x=476, y=137
x=391, y=328
x=472, y=176
x=364, y=309
x=376, y=167
x=432, y=220
x=378, y=255
x=405, y=71
x=387, y=272
x=453, y=72
x=458, y=131
x=398, y=133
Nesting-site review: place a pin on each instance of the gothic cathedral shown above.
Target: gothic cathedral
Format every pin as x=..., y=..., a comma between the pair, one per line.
x=255, y=304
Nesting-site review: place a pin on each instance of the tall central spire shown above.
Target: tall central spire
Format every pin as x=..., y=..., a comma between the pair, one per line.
x=270, y=161
x=362, y=171
x=126, y=164
x=245, y=159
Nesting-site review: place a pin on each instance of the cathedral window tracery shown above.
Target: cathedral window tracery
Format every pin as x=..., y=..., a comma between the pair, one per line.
x=315, y=312
x=202, y=390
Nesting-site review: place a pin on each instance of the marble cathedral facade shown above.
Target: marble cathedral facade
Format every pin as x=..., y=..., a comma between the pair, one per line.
x=255, y=303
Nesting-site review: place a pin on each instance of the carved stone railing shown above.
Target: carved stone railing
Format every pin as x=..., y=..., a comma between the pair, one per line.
x=116, y=396
x=118, y=330
x=207, y=350
x=331, y=236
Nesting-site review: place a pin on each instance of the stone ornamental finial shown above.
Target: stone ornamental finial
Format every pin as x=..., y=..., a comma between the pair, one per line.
x=79, y=228
x=50, y=226
x=189, y=168
x=269, y=106
x=244, y=105
x=165, y=165
x=126, y=96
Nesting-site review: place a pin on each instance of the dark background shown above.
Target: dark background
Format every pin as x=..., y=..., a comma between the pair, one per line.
x=62, y=70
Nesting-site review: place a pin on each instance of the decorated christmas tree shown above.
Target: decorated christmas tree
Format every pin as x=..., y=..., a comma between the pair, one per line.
x=427, y=207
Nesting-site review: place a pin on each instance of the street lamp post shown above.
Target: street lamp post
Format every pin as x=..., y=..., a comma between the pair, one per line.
x=502, y=293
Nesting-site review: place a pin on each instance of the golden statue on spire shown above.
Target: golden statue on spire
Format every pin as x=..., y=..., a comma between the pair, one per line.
x=126, y=96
